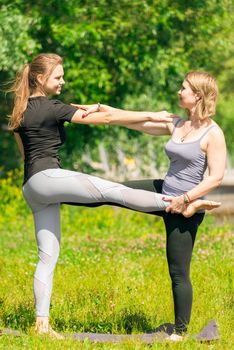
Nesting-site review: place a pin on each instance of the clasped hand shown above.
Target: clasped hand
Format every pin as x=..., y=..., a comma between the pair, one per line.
x=88, y=109
x=176, y=205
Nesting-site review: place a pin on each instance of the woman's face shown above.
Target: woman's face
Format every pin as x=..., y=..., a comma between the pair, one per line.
x=54, y=83
x=188, y=98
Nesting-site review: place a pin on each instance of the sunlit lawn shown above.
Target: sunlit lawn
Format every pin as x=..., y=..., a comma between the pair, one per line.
x=112, y=277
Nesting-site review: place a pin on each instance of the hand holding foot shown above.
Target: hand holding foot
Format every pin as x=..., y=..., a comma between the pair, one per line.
x=177, y=205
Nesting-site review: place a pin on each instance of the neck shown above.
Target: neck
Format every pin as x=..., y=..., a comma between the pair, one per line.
x=38, y=93
x=196, y=122
x=192, y=115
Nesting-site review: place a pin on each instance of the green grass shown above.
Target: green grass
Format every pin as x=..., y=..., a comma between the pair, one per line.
x=111, y=277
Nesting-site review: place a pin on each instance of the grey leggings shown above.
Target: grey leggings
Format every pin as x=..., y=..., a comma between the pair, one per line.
x=45, y=191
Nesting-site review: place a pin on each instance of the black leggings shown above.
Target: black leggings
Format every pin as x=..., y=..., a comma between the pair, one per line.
x=181, y=234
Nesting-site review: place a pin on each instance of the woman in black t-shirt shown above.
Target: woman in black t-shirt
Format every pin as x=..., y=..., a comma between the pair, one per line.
x=38, y=125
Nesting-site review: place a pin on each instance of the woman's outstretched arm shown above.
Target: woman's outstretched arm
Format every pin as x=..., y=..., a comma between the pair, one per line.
x=155, y=123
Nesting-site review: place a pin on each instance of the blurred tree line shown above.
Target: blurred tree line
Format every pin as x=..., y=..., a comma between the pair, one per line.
x=126, y=54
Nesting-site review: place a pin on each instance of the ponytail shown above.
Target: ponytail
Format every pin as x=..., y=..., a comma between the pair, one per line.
x=22, y=92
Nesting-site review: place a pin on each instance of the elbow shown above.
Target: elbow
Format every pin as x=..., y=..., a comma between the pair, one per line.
x=217, y=181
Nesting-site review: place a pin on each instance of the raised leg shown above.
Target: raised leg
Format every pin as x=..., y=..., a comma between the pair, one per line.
x=64, y=186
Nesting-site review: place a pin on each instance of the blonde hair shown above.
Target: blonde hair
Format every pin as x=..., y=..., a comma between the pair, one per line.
x=206, y=87
x=26, y=83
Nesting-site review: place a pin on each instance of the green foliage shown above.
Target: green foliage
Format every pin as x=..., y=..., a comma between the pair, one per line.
x=225, y=111
x=16, y=41
x=11, y=203
x=129, y=54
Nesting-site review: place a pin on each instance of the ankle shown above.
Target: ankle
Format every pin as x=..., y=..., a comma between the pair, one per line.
x=42, y=324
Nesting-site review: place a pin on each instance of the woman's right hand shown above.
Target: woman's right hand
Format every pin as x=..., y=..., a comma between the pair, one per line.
x=176, y=205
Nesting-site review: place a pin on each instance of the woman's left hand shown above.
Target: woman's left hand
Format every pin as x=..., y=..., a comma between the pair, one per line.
x=176, y=205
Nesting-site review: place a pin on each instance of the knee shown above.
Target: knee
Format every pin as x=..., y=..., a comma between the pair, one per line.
x=91, y=187
x=179, y=274
x=48, y=261
x=49, y=258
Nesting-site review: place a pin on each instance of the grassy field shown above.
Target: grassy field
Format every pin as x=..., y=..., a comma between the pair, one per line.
x=111, y=277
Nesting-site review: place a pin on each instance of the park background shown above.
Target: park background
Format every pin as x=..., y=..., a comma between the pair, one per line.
x=132, y=55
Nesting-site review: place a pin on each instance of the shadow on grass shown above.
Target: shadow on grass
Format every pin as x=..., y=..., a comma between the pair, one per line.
x=74, y=325
x=126, y=322
x=21, y=317
x=130, y=322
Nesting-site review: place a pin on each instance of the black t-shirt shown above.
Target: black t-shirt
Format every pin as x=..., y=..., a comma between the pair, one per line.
x=42, y=132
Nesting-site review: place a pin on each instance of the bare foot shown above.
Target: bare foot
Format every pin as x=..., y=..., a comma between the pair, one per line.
x=50, y=332
x=53, y=334
x=198, y=204
x=175, y=338
x=43, y=327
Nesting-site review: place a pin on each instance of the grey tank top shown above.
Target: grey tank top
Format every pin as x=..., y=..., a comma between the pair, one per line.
x=188, y=164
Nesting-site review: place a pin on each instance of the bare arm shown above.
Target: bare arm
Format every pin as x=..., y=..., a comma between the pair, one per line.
x=124, y=118
x=215, y=149
x=95, y=108
x=153, y=127
x=19, y=143
x=216, y=162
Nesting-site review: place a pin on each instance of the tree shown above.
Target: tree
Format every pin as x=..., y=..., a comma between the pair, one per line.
x=125, y=54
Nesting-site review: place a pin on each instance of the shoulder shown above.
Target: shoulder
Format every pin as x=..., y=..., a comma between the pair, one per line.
x=215, y=139
x=63, y=112
x=57, y=105
x=60, y=105
x=177, y=122
x=56, y=102
x=215, y=131
x=37, y=103
x=35, y=100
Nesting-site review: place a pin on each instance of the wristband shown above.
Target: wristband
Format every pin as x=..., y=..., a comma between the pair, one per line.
x=186, y=198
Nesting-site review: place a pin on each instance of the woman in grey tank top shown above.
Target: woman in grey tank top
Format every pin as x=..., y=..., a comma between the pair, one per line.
x=196, y=143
